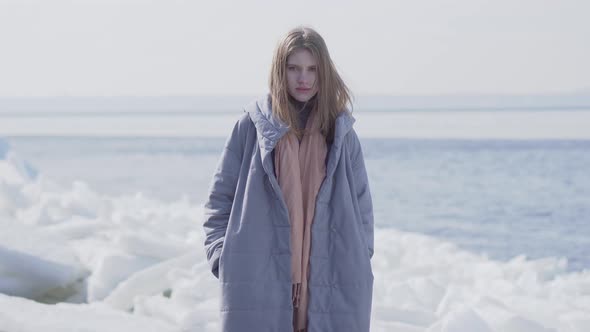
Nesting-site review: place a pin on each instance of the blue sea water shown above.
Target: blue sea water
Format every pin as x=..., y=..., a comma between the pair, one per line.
x=503, y=198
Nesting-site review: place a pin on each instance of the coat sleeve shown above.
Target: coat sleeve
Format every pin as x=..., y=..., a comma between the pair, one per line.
x=221, y=196
x=363, y=192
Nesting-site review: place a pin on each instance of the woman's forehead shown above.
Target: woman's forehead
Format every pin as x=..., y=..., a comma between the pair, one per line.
x=301, y=55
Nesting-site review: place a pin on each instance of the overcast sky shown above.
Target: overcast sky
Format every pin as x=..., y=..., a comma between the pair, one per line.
x=169, y=47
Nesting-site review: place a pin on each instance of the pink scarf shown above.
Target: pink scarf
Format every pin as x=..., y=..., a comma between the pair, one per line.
x=300, y=169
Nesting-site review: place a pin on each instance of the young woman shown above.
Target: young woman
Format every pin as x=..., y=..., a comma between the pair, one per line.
x=289, y=217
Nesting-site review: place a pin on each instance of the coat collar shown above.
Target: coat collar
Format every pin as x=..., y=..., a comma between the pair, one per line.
x=270, y=129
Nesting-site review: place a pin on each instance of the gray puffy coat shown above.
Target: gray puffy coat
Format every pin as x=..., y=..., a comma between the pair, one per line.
x=248, y=234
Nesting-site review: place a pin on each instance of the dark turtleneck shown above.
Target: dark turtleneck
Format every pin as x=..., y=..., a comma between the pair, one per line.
x=303, y=109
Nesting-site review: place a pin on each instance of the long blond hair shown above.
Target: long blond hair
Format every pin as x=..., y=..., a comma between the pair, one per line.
x=333, y=95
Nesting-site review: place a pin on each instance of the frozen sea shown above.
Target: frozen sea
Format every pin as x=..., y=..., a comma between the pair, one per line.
x=480, y=216
x=499, y=197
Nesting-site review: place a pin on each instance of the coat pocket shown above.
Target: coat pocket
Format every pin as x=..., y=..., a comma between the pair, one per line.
x=242, y=267
x=220, y=265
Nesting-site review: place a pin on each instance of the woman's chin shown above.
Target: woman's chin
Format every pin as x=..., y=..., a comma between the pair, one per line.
x=302, y=96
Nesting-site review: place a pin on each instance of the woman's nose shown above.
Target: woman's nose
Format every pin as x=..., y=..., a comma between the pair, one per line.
x=303, y=77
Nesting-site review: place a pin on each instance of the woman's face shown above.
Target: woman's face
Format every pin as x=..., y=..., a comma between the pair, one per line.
x=302, y=75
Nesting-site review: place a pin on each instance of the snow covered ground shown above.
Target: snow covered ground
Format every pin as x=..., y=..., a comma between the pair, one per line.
x=133, y=263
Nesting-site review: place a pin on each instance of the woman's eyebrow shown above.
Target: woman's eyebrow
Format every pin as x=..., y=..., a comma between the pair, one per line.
x=298, y=66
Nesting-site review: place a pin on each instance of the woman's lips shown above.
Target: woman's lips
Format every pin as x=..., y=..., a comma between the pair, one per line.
x=303, y=89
